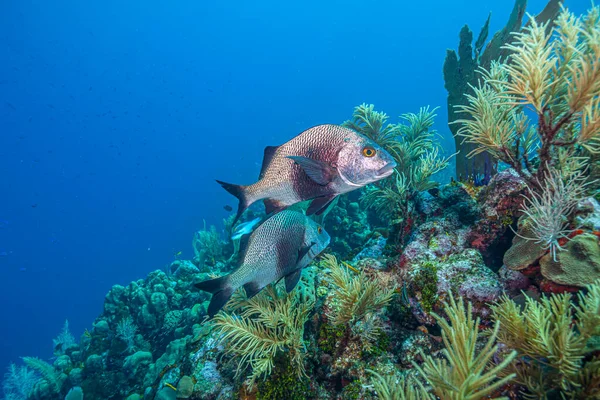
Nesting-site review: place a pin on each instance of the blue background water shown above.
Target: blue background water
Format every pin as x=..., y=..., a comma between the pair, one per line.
x=115, y=117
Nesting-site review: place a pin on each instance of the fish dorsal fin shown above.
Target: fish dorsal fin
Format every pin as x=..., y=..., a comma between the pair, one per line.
x=320, y=204
x=319, y=171
x=267, y=157
x=272, y=206
x=303, y=250
x=292, y=280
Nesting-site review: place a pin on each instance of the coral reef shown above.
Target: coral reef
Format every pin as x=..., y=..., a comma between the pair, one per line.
x=460, y=76
x=470, y=290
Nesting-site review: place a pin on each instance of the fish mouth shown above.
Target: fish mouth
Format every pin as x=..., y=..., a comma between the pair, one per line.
x=386, y=171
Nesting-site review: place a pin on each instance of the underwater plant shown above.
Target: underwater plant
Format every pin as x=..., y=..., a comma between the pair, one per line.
x=356, y=300
x=548, y=211
x=460, y=77
x=556, y=342
x=398, y=388
x=412, y=144
x=18, y=382
x=554, y=73
x=53, y=378
x=268, y=325
x=126, y=330
x=467, y=371
x=208, y=246
x=64, y=340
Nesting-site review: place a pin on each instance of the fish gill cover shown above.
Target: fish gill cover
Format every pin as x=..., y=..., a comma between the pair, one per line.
x=368, y=272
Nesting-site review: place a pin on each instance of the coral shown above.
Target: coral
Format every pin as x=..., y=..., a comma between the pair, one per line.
x=578, y=265
x=465, y=273
x=76, y=393
x=548, y=211
x=208, y=247
x=500, y=204
x=126, y=330
x=465, y=372
x=64, y=340
x=555, y=72
x=18, y=382
x=137, y=363
x=523, y=252
x=348, y=225
x=555, y=341
x=398, y=388
x=260, y=328
x=460, y=77
x=411, y=144
x=52, y=378
x=354, y=297
x=185, y=387
x=284, y=384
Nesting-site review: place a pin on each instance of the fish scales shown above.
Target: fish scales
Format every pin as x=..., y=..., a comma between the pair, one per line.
x=278, y=248
x=285, y=180
x=318, y=164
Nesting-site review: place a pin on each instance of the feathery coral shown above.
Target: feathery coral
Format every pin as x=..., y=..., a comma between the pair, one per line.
x=259, y=328
x=554, y=71
x=356, y=296
x=465, y=373
x=553, y=339
x=391, y=388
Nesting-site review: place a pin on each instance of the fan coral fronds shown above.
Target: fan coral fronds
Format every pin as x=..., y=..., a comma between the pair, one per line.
x=556, y=73
x=18, y=382
x=554, y=339
x=401, y=388
x=547, y=210
x=126, y=330
x=260, y=328
x=355, y=295
x=465, y=373
x=63, y=340
x=411, y=143
x=52, y=377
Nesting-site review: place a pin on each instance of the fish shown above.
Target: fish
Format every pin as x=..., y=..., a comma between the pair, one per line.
x=244, y=228
x=318, y=164
x=228, y=208
x=278, y=248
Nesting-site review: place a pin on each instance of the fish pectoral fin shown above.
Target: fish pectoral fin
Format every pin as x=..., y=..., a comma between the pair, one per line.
x=319, y=171
x=292, y=279
x=320, y=204
x=252, y=289
x=303, y=250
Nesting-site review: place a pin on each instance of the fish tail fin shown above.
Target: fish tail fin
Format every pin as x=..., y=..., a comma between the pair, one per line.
x=221, y=291
x=238, y=191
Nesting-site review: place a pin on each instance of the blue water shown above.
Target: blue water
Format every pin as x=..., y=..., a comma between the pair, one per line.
x=116, y=116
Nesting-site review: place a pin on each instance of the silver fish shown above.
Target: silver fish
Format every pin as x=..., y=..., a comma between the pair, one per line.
x=320, y=163
x=244, y=228
x=278, y=248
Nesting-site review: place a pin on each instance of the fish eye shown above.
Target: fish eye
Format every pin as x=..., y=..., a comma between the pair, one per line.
x=369, y=151
x=319, y=229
